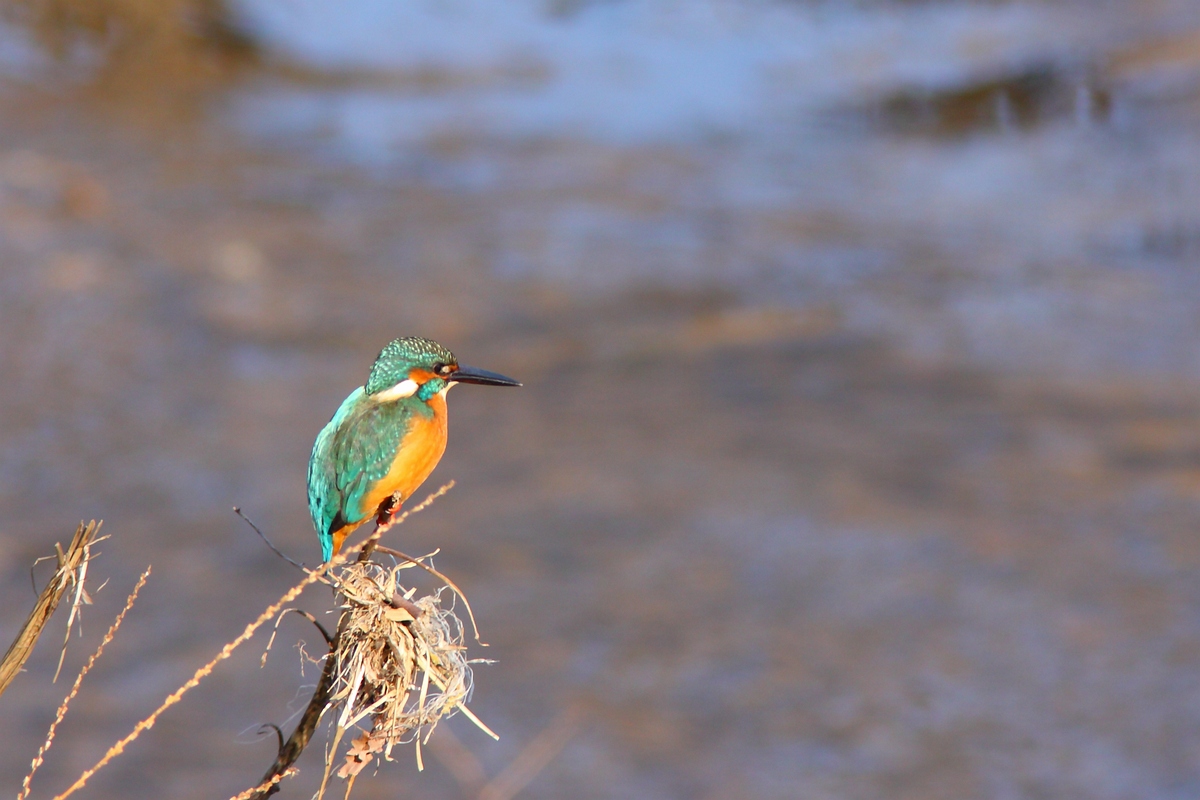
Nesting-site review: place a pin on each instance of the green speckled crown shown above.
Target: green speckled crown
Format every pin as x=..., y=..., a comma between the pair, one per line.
x=402, y=355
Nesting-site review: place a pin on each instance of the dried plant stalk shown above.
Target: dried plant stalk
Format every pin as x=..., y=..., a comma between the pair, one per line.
x=200, y=674
x=62, y=709
x=69, y=565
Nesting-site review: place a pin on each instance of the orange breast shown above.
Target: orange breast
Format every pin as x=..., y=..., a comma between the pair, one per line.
x=419, y=453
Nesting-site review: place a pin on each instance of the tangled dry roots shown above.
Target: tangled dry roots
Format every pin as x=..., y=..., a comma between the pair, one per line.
x=400, y=664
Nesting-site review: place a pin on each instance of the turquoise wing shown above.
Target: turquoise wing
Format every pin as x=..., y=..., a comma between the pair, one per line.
x=324, y=500
x=350, y=455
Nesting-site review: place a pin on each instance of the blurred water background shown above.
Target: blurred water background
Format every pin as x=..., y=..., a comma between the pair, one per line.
x=859, y=452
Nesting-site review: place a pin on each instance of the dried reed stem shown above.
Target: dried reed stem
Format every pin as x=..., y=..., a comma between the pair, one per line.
x=226, y=651
x=62, y=709
x=70, y=561
x=81, y=597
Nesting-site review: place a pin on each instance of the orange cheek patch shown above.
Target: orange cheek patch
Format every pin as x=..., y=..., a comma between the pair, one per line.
x=421, y=375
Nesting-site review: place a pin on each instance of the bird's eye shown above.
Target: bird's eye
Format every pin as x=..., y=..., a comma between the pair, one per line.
x=442, y=369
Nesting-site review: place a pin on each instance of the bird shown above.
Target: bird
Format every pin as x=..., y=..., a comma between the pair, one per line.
x=385, y=438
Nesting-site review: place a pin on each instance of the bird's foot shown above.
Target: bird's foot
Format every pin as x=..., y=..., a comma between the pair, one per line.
x=386, y=513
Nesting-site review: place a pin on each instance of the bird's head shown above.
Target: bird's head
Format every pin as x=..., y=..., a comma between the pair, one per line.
x=415, y=366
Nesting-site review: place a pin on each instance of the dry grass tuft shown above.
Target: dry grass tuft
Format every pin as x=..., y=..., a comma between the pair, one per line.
x=401, y=664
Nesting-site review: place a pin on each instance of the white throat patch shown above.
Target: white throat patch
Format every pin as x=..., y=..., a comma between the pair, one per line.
x=405, y=388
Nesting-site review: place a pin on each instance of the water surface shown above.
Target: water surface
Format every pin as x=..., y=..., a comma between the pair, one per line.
x=858, y=452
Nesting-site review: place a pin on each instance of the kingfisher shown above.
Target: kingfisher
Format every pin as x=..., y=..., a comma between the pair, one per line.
x=385, y=438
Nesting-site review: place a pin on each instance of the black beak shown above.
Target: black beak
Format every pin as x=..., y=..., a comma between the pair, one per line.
x=481, y=376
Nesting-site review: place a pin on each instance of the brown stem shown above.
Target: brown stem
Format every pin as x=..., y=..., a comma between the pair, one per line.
x=290, y=750
x=47, y=601
x=294, y=746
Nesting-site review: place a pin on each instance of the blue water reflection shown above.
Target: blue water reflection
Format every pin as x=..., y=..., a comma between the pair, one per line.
x=626, y=71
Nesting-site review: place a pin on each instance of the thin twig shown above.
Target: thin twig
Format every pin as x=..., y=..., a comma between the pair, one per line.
x=275, y=630
x=81, y=597
x=62, y=709
x=267, y=541
x=278, y=731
